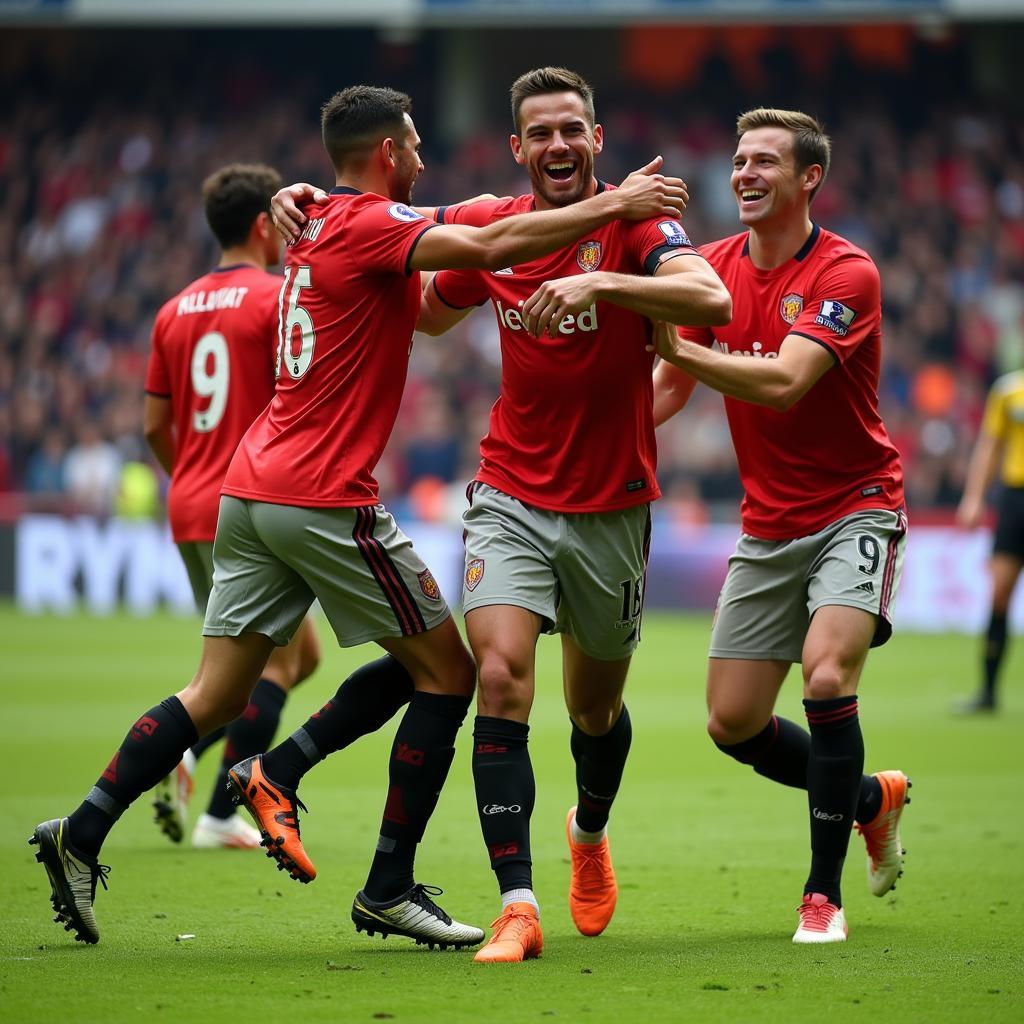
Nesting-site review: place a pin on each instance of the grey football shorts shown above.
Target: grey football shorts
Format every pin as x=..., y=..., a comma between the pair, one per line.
x=271, y=561
x=198, y=558
x=773, y=587
x=582, y=573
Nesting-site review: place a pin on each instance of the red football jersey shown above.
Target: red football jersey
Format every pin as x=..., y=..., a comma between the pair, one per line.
x=829, y=455
x=572, y=430
x=213, y=356
x=348, y=308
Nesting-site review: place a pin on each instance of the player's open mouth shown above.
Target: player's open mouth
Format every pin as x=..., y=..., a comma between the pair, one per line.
x=561, y=170
x=751, y=195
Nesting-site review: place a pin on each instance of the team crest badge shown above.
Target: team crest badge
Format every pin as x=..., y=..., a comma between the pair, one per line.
x=790, y=307
x=588, y=255
x=429, y=585
x=474, y=573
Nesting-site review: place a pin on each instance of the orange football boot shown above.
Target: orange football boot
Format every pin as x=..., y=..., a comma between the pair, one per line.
x=516, y=937
x=593, y=890
x=274, y=810
x=882, y=833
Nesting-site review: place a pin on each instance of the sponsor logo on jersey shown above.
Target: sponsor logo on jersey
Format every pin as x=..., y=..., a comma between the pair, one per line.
x=588, y=255
x=673, y=232
x=504, y=270
x=585, y=320
x=429, y=585
x=836, y=317
x=402, y=212
x=474, y=573
x=791, y=307
x=756, y=351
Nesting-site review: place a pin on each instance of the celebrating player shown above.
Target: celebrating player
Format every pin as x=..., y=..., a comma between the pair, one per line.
x=211, y=372
x=999, y=449
x=559, y=523
x=815, y=570
x=300, y=519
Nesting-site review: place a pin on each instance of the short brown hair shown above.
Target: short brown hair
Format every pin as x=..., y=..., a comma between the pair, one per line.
x=235, y=196
x=356, y=118
x=543, y=81
x=810, y=143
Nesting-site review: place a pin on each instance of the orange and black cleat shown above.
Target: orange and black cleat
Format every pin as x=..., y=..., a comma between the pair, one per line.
x=882, y=834
x=517, y=936
x=275, y=811
x=593, y=891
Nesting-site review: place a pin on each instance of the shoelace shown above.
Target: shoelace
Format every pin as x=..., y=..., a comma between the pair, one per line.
x=517, y=922
x=420, y=895
x=815, y=918
x=591, y=857
x=874, y=836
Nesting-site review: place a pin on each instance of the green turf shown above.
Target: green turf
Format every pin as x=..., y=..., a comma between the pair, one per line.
x=710, y=859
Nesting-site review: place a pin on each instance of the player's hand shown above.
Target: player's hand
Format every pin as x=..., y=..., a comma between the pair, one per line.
x=969, y=513
x=285, y=211
x=648, y=193
x=664, y=339
x=554, y=300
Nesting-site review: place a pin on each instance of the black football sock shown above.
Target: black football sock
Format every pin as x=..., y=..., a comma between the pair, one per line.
x=600, y=761
x=250, y=733
x=834, y=771
x=200, y=748
x=995, y=648
x=368, y=699
x=780, y=751
x=420, y=758
x=505, y=793
x=151, y=750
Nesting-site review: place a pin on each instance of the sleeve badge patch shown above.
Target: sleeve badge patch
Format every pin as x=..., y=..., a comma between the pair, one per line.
x=429, y=585
x=402, y=212
x=474, y=573
x=673, y=232
x=791, y=307
x=836, y=317
x=588, y=256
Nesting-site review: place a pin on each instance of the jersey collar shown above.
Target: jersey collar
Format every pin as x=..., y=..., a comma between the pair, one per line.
x=345, y=190
x=801, y=253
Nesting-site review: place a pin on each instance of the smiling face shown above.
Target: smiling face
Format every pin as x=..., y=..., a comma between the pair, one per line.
x=557, y=146
x=765, y=179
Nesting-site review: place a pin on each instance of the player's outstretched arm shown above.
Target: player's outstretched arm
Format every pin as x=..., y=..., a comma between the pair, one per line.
x=981, y=472
x=672, y=387
x=684, y=290
x=777, y=383
x=158, y=427
x=527, y=236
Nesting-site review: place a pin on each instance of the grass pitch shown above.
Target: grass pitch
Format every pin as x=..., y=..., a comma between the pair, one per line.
x=710, y=859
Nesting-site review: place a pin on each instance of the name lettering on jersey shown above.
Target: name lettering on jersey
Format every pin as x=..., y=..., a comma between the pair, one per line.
x=588, y=255
x=791, y=307
x=585, y=320
x=756, y=351
x=673, y=232
x=311, y=232
x=836, y=317
x=203, y=302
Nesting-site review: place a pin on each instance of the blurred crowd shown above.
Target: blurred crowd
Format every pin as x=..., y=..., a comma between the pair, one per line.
x=100, y=222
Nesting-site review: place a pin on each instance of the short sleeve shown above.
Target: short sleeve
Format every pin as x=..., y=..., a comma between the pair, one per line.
x=843, y=307
x=647, y=241
x=382, y=236
x=474, y=215
x=701, y=335
x=460, y=289
x=158, y=380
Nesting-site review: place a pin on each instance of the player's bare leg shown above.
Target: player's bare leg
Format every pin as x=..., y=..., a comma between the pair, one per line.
x=69, y=847
x=391, y=902
x=504, y=639
x=601, y=735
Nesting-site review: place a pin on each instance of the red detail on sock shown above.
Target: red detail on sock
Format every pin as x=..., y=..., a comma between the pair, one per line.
x=323, y=711
x=836, y=715
x=403, y=752
x=498, y=850
x=394, y=809
x=110, y=772
x=491, y=748
x=145, y=726
x=251, y=712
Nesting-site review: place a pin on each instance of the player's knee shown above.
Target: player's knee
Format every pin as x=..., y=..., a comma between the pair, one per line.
x=727, y=727
x=503, y=690
x=596, y=719
x=826, y=681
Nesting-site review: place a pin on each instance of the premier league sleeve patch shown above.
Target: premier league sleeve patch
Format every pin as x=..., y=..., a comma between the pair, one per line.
x=402, y=212
x=836, y=317
x=673, y=232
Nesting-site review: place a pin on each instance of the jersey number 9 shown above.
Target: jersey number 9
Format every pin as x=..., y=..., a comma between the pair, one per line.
x=211, y=350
